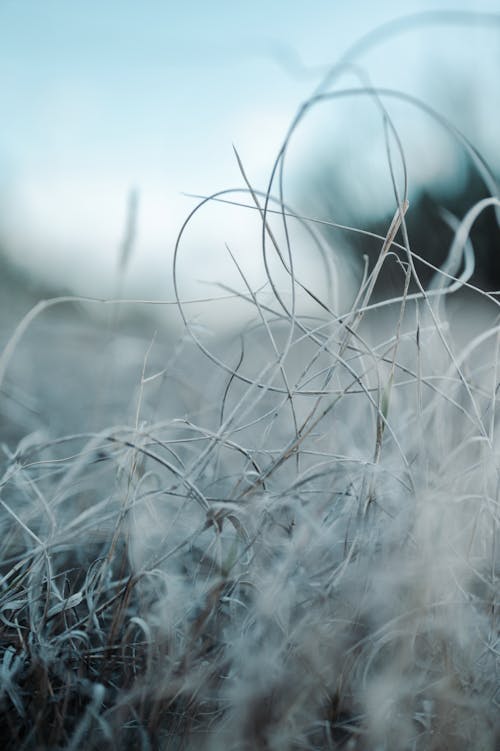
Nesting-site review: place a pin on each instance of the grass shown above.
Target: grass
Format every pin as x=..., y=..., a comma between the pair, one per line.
x=289, y=538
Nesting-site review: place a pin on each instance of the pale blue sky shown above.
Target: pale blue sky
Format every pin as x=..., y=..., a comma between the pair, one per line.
x=101, y=96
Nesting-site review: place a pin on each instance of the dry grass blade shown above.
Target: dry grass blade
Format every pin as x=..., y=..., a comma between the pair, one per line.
x=285, y=537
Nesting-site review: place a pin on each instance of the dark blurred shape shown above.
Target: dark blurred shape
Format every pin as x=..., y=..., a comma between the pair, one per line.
x=430, y=237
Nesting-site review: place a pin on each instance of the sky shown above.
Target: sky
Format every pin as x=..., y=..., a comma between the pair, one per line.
x=99, y=99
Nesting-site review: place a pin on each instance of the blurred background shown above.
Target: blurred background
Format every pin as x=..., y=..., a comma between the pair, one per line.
x=112, y=112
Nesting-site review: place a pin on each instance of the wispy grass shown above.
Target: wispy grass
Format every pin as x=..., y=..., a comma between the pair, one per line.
x=290, y=539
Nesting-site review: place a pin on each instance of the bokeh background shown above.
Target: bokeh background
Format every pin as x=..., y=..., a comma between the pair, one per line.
x=108, y=104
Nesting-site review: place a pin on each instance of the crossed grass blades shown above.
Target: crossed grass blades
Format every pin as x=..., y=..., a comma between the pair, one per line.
x=291, y=542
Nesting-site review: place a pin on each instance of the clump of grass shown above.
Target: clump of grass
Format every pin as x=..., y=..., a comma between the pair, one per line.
x=302, y=556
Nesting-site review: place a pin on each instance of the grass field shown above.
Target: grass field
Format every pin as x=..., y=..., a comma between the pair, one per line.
x=283, y=537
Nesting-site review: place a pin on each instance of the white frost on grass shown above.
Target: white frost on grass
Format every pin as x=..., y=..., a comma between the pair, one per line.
x=287, y=538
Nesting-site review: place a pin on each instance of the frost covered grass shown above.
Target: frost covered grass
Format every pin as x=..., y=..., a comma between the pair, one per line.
x=290, y=539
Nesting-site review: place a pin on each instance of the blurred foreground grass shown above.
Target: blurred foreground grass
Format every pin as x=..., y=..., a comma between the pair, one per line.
x=281, y=538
